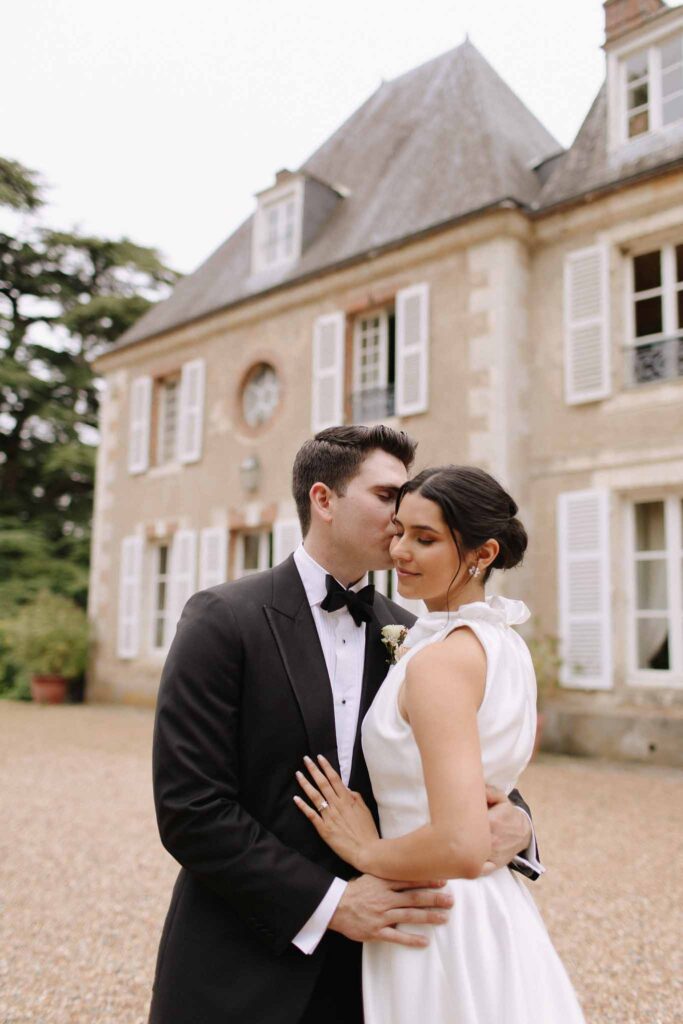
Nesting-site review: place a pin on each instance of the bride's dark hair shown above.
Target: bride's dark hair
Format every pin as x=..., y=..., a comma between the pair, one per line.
x=476, y=509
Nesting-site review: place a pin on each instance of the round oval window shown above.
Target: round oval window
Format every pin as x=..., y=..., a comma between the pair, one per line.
x=260, y=394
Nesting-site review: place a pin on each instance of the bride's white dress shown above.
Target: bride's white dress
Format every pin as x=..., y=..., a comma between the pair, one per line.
x=493, y=962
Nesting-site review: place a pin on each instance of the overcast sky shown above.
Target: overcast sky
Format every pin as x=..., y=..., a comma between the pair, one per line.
x=159, y=119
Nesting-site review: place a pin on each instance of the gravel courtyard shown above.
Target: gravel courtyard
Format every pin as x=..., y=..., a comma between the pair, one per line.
x=84, y=881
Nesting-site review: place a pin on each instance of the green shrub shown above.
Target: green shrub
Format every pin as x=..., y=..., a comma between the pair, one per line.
x=545, y=655
x=49, y=636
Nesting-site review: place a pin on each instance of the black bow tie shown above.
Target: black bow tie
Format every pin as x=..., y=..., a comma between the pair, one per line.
x=358, y=602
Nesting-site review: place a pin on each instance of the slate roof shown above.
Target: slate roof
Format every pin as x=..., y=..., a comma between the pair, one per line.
x=444, y=140
x=588, y=167
x=441, y=141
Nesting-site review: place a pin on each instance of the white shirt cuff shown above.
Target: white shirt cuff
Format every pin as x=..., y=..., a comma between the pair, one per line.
x=529, y=857
x=312, y=932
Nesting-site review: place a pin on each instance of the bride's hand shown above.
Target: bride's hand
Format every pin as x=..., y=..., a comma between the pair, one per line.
x=339, y=816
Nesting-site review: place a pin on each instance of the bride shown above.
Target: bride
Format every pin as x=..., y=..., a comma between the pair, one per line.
x=457, y=712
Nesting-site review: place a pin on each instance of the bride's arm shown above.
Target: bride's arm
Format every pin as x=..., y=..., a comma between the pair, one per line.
x=443, y=689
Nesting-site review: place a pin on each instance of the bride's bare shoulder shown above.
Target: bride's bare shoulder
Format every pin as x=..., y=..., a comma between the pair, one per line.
x=459, y=654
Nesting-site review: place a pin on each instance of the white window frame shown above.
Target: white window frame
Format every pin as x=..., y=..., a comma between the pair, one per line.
x=652, y=79
x=291, y=191
x=382, y=315
x=265, y=546
x=155, y=616
x=650, y=43
x=162, y=386
x=673, y=523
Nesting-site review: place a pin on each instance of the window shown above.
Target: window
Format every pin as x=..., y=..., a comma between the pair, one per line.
x=657, y=320
x=672, y=80
x=657, y=585
x=260, y=394
x=168, y=402
x=277, y=227
x=638, y=94
x=279, y=223
x=374, y=366
x=653, y=84
x=253, y=552
x=166, y=418
x=161, y=596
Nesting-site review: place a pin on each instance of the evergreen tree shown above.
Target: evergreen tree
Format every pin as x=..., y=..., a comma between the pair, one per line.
x=65, y=298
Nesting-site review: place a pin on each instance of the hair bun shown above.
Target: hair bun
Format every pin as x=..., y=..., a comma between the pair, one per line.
x=513, y=542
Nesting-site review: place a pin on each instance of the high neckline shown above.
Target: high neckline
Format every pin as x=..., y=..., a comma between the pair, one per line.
x=497, y=610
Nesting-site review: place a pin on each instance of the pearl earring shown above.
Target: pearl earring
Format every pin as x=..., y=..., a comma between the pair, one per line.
x=474, y=571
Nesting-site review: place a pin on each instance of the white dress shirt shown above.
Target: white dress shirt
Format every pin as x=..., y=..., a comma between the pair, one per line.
x=343, y=645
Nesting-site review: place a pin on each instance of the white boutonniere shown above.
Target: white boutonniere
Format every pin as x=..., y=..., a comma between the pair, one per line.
x=393, y=638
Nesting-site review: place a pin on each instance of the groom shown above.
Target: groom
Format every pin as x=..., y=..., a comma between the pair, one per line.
x=264, y=925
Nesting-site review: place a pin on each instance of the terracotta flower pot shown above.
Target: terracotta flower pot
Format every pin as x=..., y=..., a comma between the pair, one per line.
x=48, y=689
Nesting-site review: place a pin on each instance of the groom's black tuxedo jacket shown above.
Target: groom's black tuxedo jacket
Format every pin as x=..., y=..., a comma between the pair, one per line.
x=244, y=696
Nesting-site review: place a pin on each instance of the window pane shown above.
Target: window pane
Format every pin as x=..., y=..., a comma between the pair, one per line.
x=251, y=550
x=653, y=643
x=636, y=66
x=650, y=528
x=638, y=124
x=679, y=262
x=671, y=52
x=672, y=110
x=679, y=300
x=672, y=81
x=163, y=559
x=647, y=271
x=637, y=96
x=648, y=317
x=651, y=585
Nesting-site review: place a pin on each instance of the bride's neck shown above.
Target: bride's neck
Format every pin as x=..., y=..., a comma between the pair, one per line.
x=471, y=592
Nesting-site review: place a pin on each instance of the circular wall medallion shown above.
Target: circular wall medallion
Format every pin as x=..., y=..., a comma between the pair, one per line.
x=260, y=394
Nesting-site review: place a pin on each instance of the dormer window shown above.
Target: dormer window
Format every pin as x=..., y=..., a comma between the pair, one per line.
x=277, y=224
x=288, y=218
x=652, y=87
x=638, y=95
x=279, y=230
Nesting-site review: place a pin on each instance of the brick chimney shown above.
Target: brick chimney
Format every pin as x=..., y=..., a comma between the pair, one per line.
x=622, y=15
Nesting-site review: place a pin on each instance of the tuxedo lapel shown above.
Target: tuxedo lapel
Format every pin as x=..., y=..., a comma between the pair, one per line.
x=296, y=637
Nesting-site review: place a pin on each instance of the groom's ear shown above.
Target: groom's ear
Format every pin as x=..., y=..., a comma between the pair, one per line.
x=320, y=496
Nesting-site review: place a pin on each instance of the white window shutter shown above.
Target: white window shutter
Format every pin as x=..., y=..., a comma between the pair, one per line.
x=412, y=350
x=586, y=324
x=130, y=592
x=286, y=538
x=213, y=557
x=183, y=572
x=140, y=407
x=191, y=419
x=584, y=589
x=327, y=405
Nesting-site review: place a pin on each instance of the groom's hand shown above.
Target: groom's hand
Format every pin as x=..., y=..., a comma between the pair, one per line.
x=371, y=908
x=510, y=830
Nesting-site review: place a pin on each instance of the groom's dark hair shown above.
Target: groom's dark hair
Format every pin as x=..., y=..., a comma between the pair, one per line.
x=335, y=455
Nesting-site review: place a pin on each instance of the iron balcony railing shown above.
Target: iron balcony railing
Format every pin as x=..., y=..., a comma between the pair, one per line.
x=372, y=404
x=654, y=360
